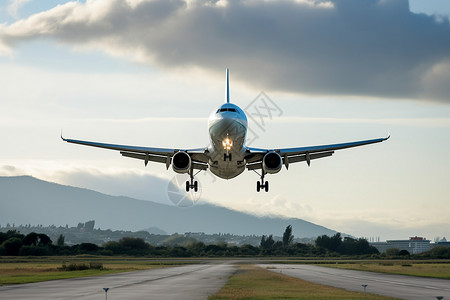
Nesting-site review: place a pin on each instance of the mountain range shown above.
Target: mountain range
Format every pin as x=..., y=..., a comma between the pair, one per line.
x=27, y=200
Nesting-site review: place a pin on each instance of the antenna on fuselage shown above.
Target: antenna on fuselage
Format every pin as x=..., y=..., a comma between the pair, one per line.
x=227, y=91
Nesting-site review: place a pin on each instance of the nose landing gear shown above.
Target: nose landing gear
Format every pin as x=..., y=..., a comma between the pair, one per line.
x=226, y=157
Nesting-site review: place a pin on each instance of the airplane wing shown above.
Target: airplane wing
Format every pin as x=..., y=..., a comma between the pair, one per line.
x=293, y=155
x=160, y=155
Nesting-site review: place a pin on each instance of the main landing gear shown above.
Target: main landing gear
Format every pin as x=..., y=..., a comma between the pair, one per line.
x=191, y=184
x=262, y=185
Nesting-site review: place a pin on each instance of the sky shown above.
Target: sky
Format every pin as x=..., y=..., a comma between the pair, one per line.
x=149, y=73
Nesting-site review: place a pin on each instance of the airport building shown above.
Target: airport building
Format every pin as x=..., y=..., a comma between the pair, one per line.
x=414, y=245
x=442, y=242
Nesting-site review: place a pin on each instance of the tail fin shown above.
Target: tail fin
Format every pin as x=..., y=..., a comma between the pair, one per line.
x=227, y=91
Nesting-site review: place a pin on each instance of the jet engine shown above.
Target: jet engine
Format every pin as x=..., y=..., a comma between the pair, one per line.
x=181, y=162
x=272, y=163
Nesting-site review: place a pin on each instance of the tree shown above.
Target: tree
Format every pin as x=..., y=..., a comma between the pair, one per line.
x=3, y=237
x=330, y=243
x=248, y=250
x=263, y=241
x=359, y=246
x=392, y=252
x=267, y=243
x=88, y=247
x=287, y=236
x=12, y=246
x=44, y=240
x=132, y=243
x=31, y=239
x=114, y=247
x=60, y=240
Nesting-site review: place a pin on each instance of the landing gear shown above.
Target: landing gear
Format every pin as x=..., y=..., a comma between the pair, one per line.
x=191, y=184
x=226, y=156
x=262, y=185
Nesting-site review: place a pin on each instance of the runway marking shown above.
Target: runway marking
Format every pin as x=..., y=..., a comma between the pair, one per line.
x=364, y=277
x=163, y=277
x=344, y=278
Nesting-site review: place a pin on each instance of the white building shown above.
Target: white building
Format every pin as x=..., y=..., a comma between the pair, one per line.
x=414, y=245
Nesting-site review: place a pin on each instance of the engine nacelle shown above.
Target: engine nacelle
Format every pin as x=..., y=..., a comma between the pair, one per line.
x=181, y=162
x=272, y=163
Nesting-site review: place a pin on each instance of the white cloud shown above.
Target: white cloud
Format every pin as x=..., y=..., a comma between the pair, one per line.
x=436, y=80
x=14, y=6
x=349, y=47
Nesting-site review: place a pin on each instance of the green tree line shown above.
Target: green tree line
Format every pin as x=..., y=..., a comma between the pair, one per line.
x=13, y=243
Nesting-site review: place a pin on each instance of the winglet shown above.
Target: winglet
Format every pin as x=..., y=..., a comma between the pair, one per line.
x=62, y=136
x=227, y=91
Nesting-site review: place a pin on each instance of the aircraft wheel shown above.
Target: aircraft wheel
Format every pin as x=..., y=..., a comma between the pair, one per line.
x=258, y=186
x=266, y=186
x=187, y=186
x=195, y=186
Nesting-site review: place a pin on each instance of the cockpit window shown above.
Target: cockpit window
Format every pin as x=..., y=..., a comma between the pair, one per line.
x=226, y=109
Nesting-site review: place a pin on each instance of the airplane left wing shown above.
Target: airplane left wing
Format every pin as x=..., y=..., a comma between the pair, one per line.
x=160, y=155
x=293, y=155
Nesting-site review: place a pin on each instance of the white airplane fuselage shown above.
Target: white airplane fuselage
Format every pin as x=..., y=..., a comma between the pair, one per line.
x=227, y=133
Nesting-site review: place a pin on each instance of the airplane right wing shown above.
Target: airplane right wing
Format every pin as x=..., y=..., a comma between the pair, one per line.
x=299, y=154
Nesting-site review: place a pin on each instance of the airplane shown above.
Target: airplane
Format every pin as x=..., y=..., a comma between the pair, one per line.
x=227, y=155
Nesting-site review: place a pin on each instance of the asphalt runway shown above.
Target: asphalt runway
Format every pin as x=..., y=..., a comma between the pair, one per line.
x=398, y=286
x=185, y=282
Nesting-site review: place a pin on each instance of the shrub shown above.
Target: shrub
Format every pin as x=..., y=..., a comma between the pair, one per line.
x=403, y=252
x=34, y=251
x=96, y=266
x=81, y=266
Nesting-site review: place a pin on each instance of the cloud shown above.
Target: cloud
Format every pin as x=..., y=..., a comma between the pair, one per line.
x=14, y=6
x=345, y=47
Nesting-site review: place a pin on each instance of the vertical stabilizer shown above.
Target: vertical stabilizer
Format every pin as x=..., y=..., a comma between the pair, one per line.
x=227, y=91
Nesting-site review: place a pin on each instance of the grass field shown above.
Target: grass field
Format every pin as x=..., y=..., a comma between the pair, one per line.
x=26, y=270
x=433, y=270
x=252, y=282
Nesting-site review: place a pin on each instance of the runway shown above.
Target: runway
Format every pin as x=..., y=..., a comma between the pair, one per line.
x=398, y=286
x=185, y=282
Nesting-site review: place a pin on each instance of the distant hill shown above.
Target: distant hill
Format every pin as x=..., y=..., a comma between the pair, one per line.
x=27, y=200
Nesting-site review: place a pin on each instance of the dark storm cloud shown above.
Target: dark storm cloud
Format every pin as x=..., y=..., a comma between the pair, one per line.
x=346, y=47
